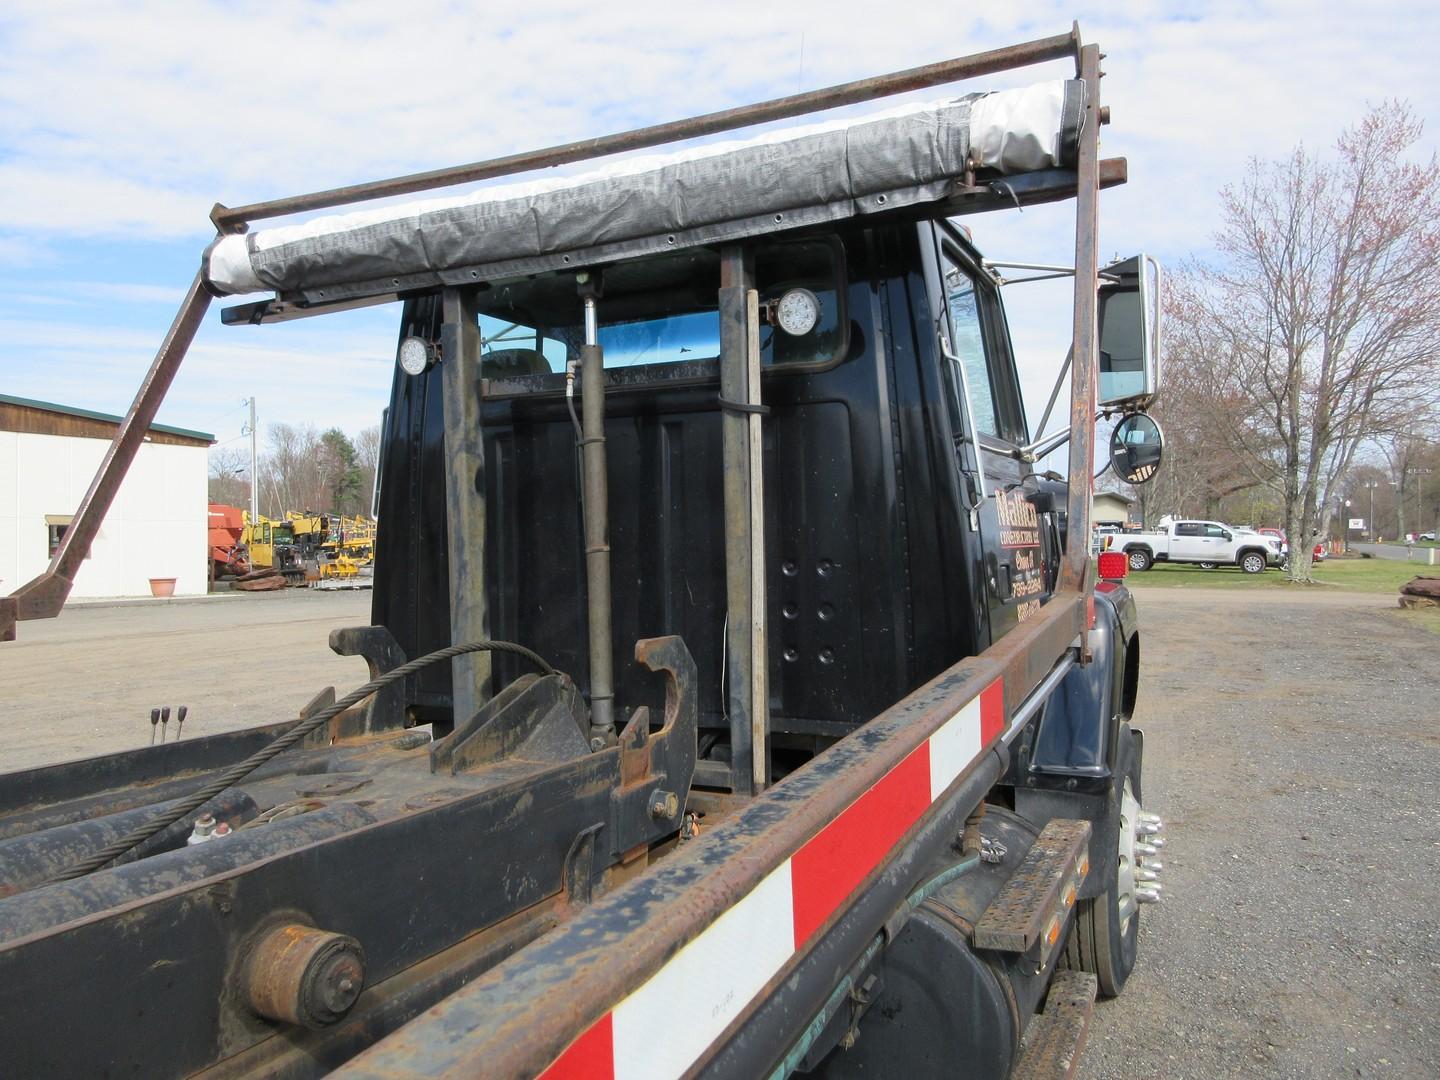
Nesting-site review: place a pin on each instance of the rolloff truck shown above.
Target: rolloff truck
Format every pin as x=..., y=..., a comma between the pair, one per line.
x=743, y=702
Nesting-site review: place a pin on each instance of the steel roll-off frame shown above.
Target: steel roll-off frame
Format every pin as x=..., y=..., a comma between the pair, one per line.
x=511, y=1020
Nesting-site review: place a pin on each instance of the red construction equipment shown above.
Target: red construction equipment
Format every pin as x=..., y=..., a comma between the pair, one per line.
x=228, y=556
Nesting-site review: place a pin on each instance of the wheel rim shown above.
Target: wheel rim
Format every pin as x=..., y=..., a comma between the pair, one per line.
x=1126, y=902
x=1137, y=560
x=1254, y=563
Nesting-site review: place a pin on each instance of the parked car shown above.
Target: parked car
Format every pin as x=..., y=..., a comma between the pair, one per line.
x=1318, y=554
x=1207, y=544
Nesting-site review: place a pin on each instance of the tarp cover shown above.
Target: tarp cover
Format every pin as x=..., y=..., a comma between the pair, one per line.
x=704, y=195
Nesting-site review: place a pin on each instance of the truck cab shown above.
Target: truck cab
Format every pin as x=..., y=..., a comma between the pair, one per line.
x=890, y=555
x=742, y=702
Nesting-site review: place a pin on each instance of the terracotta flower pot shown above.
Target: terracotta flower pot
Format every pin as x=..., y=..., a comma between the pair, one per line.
x=162, y=586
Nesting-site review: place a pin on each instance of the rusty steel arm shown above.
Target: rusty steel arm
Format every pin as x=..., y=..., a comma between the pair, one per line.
x=1075, y=570
x=515, y=1019
x=44, y=596
x=228, y=219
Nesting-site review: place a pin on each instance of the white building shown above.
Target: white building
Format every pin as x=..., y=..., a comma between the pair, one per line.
x=157, y=524
x=1110, y=508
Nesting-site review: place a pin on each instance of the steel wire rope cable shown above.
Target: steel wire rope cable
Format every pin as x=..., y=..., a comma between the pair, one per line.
x=279, y=745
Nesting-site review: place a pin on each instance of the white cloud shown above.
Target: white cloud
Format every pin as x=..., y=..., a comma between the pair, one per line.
x=126, y=123
x=337, y=373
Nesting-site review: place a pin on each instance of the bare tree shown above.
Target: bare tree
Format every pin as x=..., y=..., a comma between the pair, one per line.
x=1202, y=472
x=1426, y=474
x=367, y=460
x=291, y=477
x=1323, y=319
x=230, y=476
x=1407, y=451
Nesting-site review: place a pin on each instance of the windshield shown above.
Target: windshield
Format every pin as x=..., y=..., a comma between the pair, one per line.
x=655, y=312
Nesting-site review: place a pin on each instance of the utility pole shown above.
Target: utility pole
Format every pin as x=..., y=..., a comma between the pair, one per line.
x=254, y=468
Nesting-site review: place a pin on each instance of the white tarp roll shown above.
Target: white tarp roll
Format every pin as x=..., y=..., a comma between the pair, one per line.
x=703, y=195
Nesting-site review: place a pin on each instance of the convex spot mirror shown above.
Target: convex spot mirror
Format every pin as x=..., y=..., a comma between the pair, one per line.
x=1129, y=311
x=1136, y=447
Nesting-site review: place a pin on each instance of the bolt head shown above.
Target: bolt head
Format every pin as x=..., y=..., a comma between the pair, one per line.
x=664, y=805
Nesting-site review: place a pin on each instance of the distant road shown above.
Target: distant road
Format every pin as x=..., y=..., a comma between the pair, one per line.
x=1425, y=556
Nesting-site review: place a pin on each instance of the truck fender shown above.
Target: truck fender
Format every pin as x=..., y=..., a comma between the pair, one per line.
x=1076, y=729
x=1067, y=770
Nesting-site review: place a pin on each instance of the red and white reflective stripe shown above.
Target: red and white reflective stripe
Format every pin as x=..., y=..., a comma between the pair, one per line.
x=665, y=1026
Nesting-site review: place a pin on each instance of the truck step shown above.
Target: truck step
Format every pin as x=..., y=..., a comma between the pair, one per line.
x=1055, y=1038
x=1036, y=901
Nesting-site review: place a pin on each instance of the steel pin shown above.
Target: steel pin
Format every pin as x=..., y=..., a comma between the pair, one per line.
x=180, y=721
x=154, y=723
x=164, y=721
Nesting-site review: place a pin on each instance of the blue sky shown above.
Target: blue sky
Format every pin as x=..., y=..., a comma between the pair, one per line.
x=120, y=125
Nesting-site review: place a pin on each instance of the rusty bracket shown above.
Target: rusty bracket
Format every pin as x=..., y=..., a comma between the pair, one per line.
x=385, y=711
x=656, y=767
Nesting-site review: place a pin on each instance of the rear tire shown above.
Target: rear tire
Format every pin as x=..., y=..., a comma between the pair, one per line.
x=1139, y=559
x=1252, y=562
x=1105, y=939
x=1208, y=565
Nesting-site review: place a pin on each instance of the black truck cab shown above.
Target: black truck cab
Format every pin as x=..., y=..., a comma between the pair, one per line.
x=890, y=554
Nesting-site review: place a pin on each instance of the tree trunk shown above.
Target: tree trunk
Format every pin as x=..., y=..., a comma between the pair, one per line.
x=1298, y=518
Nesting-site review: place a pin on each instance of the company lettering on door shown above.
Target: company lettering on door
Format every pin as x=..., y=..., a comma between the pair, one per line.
x=1019, y=524
x=1020, y=528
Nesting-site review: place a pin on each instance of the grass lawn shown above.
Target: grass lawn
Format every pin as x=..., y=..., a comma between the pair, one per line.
x=1359, y=575
x=1425, y=618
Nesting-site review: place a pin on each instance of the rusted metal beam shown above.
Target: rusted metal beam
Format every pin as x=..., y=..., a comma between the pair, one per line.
x=1075, y=569
x=519, y=1017
x=746, y=653
x=229, y=219
x=43, y=597
x=465, y=495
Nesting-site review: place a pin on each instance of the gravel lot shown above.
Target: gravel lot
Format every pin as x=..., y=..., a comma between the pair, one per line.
x=84, y=683
x=1292, y=746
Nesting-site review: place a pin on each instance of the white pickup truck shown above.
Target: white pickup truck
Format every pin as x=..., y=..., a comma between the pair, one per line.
x=1206, y=543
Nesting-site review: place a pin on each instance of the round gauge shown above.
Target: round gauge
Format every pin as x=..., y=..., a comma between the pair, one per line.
x=797, y=312
x=414, y=355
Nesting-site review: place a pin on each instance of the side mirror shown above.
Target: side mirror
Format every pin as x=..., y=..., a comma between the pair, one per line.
x=1136, y=447
x=1129, y=309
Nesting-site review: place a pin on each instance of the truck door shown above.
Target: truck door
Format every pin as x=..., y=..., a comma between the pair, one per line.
x=1189, y=543
x=1219, y=543
x=1016, y=571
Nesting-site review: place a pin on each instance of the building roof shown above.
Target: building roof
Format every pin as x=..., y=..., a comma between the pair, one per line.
x=107, y=418
x=1126, y=499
